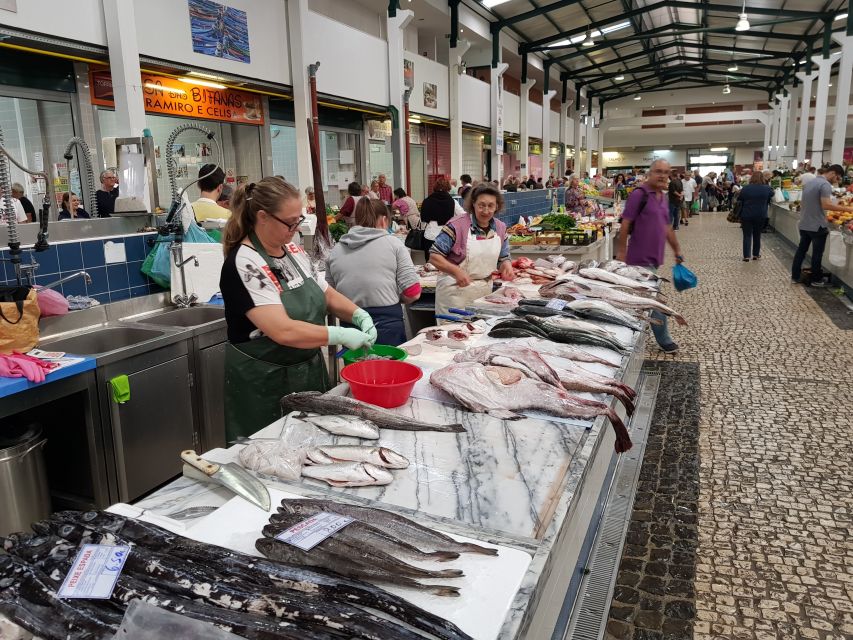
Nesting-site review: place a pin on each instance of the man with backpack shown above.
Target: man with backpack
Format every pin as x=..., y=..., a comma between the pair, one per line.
x=646, y=220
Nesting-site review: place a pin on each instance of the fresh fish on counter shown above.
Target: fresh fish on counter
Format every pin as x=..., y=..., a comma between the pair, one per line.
x=450, y=338
x=589, y=263
x=567, y=290
x=513, y=356
x=345, y=560
x=576, y=324
x=348, y=474
x=362, y=533
x=633, y=272
x=327, y=404
x=541, y=310
x=567, y=351
x=506, y=295
x=473, y=328
x=403, y=528
x=604, y=312
x=576, y=335
x=615, y=278
x=503, y=392
x=328, y=586
x=516, y=328
x=574, y=377
x=379, y=456
x=344, y=425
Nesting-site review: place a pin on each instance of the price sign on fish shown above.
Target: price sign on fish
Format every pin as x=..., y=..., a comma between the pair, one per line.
x=309, y=533
x=95, y=571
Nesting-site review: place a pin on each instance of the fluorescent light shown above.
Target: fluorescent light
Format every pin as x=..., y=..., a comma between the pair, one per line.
x=732, y=67
x=618, y=27
x=203, y=83
x=209, y=76
x=160, y=87
x=493, y=3
x=742, y=23
x=718, y=149
x=638, y=97
x=661, y=151
x=619, y=77
x=415, y=119
x=727, y=89
x=840, y=16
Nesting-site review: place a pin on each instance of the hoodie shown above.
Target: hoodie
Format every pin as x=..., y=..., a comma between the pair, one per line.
x=370, y=267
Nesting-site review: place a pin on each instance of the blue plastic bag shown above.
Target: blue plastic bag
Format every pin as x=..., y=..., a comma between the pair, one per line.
x=683, y=278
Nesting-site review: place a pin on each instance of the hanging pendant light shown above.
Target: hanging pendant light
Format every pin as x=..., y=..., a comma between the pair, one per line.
x=619, y=76
x=727, y=90
x=638, y=97
x=588, y=41
x=732, y=67
x=743, y=20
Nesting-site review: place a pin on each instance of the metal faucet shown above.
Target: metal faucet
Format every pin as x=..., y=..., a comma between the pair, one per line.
x=181, y=264
x=79, y=274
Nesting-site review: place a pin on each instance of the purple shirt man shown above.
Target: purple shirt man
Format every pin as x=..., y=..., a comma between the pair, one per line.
x=647, y=210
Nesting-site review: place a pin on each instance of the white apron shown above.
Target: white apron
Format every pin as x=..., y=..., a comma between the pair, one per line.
x=481, y=259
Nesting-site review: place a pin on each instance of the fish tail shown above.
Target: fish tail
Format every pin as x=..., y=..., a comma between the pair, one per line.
x=623, y=439
x=626, y=402
x=442, y=556
x=447, y=573
x=629, y=391
x=475, y=548
x=442, y=590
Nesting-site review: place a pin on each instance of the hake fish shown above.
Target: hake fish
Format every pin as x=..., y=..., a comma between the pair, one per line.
x=361, y=533
x=345, y=425
x=327, y=404
x=378, y=456
x=604, y=312
x=513, y=356
x=348, y=474
x=615, y=278
x=503, y=392
x=402, y=528
x=567, y=351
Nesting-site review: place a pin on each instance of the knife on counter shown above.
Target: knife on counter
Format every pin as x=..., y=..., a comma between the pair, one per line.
x=230, y=475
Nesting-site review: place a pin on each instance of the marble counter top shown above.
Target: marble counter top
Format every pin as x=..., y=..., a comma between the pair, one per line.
x=510, y=483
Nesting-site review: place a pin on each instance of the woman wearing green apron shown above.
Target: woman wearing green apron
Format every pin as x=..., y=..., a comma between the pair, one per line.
x=276, y=309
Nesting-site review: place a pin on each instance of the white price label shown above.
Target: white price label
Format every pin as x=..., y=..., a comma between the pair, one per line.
x=95, y=571
x=309, y=533
x=557, y=304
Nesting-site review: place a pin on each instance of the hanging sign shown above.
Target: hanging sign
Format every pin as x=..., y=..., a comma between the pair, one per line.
x=172, y=97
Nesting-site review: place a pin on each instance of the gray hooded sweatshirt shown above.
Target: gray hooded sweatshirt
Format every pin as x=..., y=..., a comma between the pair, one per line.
x=370, y=267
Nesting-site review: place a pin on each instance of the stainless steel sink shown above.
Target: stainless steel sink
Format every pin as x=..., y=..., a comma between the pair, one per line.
x=102, y=340
x=189, y=317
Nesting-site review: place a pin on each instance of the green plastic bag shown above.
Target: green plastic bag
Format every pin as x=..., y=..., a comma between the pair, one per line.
x=695, y=206
x=148, y=265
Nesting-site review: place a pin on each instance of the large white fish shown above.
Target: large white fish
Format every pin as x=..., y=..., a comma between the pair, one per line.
x=614, y=278
x=379, y=456
x=349, y=474
x=345, y=426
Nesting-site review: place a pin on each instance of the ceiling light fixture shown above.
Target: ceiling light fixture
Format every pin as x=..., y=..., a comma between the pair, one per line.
x=840, y=16
x=719, y=149
x=743, y=20
x=203, y=83
x=588, y=41
x=493, y=3
x=619, y=26
x=638, y=97
x=727, y=90
x=732, y=67
x=200, y=74
x=620, y=76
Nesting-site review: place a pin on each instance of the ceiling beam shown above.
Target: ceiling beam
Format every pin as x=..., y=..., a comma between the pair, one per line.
x=539, y=11
x=609, y=97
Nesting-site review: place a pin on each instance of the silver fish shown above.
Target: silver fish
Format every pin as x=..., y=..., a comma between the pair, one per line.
x=605, y=312
x=567, y=289
x=514, y=356
x=349, y=474
x=615, y=278
x=378, y=456
x=345, y=426
x=567, y=351
x=331, y=405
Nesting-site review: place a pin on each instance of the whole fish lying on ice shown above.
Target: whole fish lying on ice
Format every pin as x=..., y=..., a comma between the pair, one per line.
x=567, y=351
x=614, y=278
x=501, y=392
x=633, y=272
x=377, y=456
x=506, y=296
x=567, y=290
x=603, y=311
x=348, y=474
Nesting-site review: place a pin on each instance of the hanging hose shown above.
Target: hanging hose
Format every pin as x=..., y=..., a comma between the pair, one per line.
x=8, y=207
x=90, y=177
x=171, y=165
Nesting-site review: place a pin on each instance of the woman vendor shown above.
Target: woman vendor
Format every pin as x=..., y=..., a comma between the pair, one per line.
x=468, y=249
x=575, y=198
x=276, y=308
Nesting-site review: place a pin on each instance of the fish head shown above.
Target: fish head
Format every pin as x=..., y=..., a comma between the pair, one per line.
x=379, y=475
x=392, y=459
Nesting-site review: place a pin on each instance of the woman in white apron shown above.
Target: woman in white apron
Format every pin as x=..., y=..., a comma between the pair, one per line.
x=469, y=249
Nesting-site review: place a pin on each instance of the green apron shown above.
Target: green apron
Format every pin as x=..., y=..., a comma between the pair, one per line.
x=259, y=372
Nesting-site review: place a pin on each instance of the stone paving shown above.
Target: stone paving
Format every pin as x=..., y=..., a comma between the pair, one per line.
x=775, y=550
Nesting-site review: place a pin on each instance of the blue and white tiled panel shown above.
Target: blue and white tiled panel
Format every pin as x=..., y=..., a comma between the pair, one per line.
x=525, y=203
x=113, y=279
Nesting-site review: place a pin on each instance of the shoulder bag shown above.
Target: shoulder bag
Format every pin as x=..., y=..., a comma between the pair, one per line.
x=734, y=214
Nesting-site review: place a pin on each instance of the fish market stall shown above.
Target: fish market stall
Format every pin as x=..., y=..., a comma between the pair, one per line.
x=473, y=510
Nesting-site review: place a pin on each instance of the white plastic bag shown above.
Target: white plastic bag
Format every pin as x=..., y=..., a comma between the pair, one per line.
x=778, y=196
x=281, y=458
x=837, y=249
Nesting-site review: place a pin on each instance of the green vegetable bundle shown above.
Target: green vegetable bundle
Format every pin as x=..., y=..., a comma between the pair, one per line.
x=338, y=229
x=557, y=222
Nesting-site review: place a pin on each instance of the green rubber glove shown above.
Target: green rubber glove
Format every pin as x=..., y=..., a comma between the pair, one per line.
x=363, y=321
x=350, y=338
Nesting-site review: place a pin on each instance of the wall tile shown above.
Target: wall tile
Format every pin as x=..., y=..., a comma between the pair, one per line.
x=135, y=292
x=99, y=283
x=103, y=298
x=120, y=294
x=70, y=256
x=134, y=247
x=117, y=276
x=93, y=253
x=135, y=277
x=48, y=260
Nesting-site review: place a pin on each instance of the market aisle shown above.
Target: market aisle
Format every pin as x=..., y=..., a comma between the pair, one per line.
x=775, y=486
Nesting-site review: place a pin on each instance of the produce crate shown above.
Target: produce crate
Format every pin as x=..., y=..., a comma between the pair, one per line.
x=521, y=241
x=549, y=238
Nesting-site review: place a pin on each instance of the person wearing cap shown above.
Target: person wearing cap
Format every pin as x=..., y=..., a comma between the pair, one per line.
x=211, y=184
x=815, y=201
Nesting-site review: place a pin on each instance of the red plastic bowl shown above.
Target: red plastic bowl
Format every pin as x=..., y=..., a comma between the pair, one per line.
x=385, y=383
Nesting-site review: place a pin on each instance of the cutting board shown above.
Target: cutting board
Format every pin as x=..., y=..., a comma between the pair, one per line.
x=487, y=588
x=203, y=280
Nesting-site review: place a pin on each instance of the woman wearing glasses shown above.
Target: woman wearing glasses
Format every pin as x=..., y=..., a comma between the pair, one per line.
x=276, y=308
x=469, y=249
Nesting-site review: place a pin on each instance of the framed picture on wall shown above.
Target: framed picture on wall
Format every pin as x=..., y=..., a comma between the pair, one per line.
x=430, y=95
x=219, y=30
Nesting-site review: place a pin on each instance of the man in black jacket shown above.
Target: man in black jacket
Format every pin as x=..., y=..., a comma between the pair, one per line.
x=19, y=193
x=107, y=194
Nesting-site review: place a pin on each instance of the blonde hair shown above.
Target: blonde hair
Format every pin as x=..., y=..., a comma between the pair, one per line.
x=266, y=195
x=368, y=212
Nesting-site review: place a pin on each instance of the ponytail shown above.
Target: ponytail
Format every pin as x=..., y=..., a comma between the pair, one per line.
x=266, y=195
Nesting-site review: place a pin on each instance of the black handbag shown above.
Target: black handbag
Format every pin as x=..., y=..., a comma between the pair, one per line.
x=415, y=240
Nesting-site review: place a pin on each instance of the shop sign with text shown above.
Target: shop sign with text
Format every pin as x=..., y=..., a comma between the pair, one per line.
x=172, y=97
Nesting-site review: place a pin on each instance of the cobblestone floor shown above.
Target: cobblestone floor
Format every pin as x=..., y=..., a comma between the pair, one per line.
x=775, y=547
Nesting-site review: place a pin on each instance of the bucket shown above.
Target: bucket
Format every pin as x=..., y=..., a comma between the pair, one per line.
x=23, y=478
x=393, y=353
x=385, y=383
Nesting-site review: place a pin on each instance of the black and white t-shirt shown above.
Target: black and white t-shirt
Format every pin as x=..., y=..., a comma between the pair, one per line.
x=248, y=282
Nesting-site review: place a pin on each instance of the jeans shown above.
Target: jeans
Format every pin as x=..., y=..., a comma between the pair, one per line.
x=817, y=240
x=674, y=214
x=752, y=236
x=661, y=331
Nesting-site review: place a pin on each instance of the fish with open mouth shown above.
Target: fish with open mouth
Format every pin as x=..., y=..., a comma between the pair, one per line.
x=503, y=393
x=567, y=290
x=348, y=474
x=378, y=456
x=403, y=528
x=327, y=404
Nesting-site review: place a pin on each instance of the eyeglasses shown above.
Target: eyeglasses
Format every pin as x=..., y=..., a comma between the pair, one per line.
x=290, y=227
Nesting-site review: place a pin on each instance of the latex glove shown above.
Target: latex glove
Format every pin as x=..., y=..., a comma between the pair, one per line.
x=9, y=368
x=350, y=338
x=363, y=321
x=17, y=366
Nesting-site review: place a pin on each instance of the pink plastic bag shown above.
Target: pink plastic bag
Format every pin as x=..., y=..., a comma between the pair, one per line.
x=51, y=303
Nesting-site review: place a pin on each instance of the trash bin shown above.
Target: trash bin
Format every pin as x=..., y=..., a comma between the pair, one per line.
x=23, y=477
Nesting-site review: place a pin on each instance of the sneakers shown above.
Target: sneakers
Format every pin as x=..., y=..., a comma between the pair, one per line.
x=746, y=259
x=819, y=284
x=794, y=281
x=669, y=348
